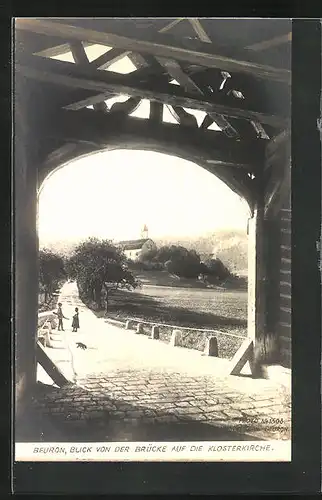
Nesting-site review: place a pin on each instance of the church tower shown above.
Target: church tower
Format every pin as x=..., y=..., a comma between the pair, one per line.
x=145, y=232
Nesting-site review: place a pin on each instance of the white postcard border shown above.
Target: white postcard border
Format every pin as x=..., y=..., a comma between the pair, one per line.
x=194, y=451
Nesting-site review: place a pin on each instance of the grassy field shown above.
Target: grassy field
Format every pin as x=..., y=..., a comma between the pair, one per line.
x=216, y=310
x=163, y=278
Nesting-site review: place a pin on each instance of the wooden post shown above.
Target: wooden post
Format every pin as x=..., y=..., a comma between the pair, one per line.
x=25, y=253
x=256, y=287
x=256, y=275
x=256, y=298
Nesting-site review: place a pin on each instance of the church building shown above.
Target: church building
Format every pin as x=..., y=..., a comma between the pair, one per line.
x=134, y=248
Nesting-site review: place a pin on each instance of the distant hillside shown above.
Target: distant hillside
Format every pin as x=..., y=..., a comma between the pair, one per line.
x=232, y=249
x=229, y=246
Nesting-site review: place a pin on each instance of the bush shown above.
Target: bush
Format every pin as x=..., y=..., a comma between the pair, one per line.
x=51, y=272
x=216, y=271
x=180, y=261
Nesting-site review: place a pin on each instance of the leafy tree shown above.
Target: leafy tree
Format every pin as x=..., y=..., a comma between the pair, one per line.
x=147, y=255
x=180, y=261
x=51, y=271
x=97, y=264
x=164, y=253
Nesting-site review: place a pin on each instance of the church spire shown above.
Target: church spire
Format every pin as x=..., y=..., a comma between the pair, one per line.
x=144, y=232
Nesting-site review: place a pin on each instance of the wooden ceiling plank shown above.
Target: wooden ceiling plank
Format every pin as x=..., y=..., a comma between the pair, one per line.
x=158, y=46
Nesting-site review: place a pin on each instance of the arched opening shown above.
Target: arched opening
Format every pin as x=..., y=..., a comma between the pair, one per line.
x=111, y=195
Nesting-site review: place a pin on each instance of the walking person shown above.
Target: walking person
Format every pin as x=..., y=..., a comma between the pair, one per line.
x=60, y=316
x=75, y=323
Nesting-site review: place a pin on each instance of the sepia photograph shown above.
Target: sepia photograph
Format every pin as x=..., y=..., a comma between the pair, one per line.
x=152, y=260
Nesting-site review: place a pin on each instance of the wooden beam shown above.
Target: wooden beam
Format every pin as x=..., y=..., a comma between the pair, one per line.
x=276, y=142
x=269, y=97
x=80, y=58
x=109, y=58
x=242, y=185
x=59, y=156
x=127, y=107
x=79, y=54
x=175, y=71
x=95, y=131
x=223, y=124
x=138, y=60
x=71, y=75
x=94, y=128
x=149, y=70
x=183, y=117
x=59, y=50
x=148, y=67
x=260, y=130
x=276, y=191
x=133, y=135
x=272, y=42
x=210, y=118
x=158, y=45
x=199, y=29
x=171, y=25
x=156, y=112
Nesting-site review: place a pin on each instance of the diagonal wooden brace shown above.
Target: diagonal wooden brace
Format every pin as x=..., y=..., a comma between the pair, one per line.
x=49, y=366
x=245, y=353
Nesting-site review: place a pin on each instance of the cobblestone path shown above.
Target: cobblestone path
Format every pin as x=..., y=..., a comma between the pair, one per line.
x=132, y=388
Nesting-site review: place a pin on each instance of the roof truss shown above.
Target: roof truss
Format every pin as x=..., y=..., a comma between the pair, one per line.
x=193, y=51
x=86, y=77
x=247, y=99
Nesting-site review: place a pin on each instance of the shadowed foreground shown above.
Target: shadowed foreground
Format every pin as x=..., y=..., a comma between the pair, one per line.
x=98, y=425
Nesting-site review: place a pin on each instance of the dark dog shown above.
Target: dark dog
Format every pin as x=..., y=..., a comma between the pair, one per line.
x=81, y=345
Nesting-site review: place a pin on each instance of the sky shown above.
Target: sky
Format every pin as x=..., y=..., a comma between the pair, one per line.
x=112, y=194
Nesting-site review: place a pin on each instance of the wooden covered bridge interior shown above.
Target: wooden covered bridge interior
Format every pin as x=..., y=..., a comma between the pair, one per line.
x=236, y=72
